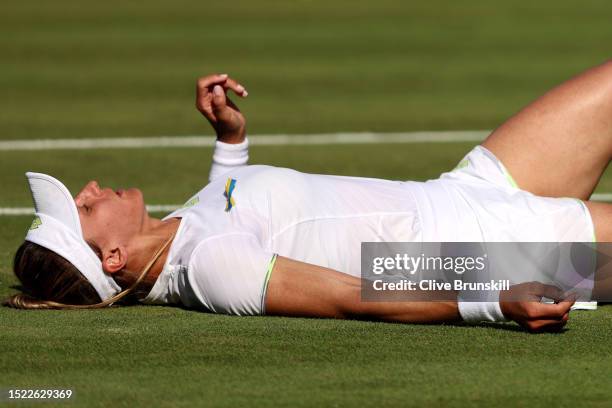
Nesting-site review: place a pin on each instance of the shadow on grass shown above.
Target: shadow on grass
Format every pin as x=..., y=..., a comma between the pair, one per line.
x=486, y=325
x=514, y=328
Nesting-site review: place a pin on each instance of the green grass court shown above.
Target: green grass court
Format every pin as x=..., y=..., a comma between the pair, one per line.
x=75, y=69
x=174, y=357
x=113, y=69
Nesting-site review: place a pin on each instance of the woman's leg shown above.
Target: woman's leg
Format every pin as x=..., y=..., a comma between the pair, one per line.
x=601, y=213
x=560, y=145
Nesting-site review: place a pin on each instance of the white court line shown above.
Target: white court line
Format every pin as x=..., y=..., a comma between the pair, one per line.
x=256, y=140
x=30, y=210
x=166, y=208
x=602, y=197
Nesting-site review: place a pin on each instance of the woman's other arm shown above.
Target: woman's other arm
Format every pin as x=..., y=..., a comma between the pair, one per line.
x=306, y=290
x=232, y=147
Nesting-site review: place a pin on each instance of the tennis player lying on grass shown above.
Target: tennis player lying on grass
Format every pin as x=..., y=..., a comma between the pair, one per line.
x=266, y=240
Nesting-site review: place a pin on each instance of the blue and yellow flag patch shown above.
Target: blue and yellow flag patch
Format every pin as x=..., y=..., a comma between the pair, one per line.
x=229, y=189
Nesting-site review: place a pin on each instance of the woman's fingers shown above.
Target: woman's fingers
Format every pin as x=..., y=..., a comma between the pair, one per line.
x=548, y=291
x=543, y=317
x=213, y=102
x=219, y=101
x=238, y=89
x=209, y=103
x=522, y=303
x=204, y=94
x=544, y=311
x=206, y=84
x=547, y=325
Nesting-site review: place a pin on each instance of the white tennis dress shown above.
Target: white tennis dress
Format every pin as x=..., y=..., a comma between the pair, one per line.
x=231, y=231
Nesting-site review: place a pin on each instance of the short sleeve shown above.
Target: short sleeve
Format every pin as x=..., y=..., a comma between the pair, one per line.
x=229, y=274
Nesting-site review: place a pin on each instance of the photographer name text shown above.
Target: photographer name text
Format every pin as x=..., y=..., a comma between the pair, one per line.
x=434, y=285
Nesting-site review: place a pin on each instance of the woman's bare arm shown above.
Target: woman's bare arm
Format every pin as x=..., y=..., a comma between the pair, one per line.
x=305, y=290
x=231, y=148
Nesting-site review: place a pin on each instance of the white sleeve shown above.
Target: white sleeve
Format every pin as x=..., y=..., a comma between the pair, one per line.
x=227, y=157
x=476, y=312
x=229, y=274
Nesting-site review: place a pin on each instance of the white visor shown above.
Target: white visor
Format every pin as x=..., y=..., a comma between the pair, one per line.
x=57, y=227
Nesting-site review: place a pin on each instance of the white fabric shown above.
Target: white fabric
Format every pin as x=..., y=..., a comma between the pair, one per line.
x=57, y=227
x=498, y=211
x=219, y=259
x=478, y=202
x=227, y=157
x=475, y=312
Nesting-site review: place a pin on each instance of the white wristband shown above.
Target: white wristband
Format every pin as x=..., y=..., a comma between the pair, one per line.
x=475, y=312
x=227, y=157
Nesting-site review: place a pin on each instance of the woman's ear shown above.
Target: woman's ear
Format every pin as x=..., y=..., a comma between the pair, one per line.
x=114, y=260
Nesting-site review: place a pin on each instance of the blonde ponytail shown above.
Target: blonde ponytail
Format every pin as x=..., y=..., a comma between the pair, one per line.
x=24, y=301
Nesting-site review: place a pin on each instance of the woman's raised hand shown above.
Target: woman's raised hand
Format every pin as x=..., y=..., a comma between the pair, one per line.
x=213, y=102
